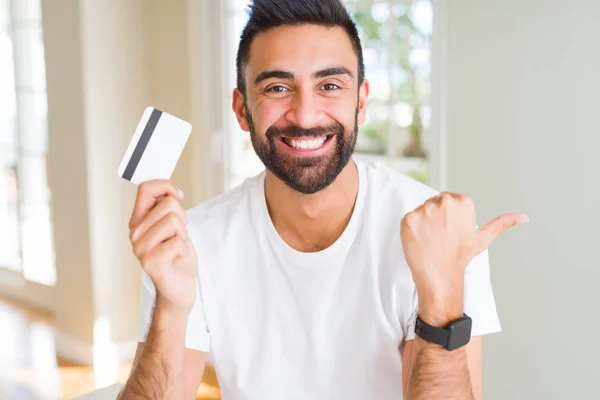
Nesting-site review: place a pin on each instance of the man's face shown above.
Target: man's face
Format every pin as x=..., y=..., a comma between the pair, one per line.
x=303, y=103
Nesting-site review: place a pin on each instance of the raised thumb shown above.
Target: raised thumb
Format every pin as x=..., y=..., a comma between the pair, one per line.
x=489, y=232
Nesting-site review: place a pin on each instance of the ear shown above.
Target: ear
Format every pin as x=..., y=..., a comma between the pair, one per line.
x=363, y=94
x=238, y=106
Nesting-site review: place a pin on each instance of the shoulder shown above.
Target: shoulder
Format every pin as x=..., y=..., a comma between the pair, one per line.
x=223, y=203
x=218, y=213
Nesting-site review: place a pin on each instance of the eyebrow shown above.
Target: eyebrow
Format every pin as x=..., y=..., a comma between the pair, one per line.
x=273, y=74
x=289, y=76
x=332, y=71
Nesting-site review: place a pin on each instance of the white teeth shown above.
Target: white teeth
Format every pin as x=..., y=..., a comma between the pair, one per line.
x=307, y=144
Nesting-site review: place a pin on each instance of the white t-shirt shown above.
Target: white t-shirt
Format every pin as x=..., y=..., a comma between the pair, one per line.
x=282, y=324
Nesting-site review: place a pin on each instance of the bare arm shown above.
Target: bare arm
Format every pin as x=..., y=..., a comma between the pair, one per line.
x=164, y=368
x=195, y=362
x=474, y=356
x=436, y=373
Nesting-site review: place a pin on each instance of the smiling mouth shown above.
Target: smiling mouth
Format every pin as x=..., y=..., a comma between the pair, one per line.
x=311, y=143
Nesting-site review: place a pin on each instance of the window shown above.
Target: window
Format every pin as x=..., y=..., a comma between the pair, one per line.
x=396, y=39
x=25, y=230
x=240, y=159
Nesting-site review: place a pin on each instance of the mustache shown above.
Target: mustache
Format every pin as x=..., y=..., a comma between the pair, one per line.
x=296, y=132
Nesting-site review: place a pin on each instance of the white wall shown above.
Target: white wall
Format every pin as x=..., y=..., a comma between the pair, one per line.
x=523, y=83
x=67, y=172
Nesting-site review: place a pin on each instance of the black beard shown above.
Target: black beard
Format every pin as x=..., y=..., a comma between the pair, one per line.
x=306, y=175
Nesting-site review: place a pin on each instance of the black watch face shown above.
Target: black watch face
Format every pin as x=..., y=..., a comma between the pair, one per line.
x=459, y=333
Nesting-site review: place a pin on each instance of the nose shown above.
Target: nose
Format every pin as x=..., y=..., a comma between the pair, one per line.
x=304, y=111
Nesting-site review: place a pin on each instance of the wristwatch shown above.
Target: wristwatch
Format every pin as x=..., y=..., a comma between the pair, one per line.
x=454, y=336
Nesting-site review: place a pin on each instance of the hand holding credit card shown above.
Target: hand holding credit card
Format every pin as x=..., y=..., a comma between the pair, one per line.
x=158, y=222
x=155, y=148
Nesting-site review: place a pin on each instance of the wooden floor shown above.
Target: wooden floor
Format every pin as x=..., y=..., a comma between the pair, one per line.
x=30, y=369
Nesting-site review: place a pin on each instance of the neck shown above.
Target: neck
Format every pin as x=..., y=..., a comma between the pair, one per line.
x=310, y=223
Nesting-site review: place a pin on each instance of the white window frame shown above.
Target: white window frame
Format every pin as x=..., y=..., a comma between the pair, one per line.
x=26, y=106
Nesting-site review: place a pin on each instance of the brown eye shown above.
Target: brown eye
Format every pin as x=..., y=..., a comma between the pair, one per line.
x=330, y=87
x=276, y=89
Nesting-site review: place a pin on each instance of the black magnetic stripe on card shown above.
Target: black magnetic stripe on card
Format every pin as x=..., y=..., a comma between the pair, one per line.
x=141, y=146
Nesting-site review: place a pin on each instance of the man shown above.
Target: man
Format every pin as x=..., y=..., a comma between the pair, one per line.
x=310, y=280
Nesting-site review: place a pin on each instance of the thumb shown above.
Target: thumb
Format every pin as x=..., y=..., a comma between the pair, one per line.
x=489, y=232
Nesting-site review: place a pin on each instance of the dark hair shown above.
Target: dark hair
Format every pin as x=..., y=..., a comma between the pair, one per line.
x=267, y=14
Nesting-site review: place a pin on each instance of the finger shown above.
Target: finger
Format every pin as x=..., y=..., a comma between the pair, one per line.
x=168, y=205
x=489, y=232
x=149, y=193
x=448, y=195
x=169, y=226
x=164, y=255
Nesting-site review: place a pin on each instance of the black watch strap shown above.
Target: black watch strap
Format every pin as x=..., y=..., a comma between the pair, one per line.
x=430, y=333
x=456, y=335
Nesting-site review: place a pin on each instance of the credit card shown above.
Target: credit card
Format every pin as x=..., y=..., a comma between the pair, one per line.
x=155, y=148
